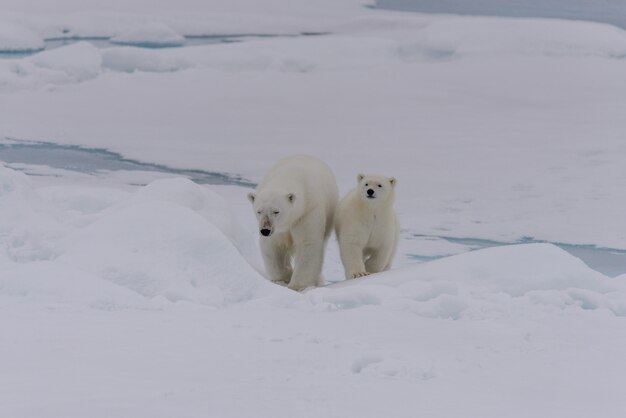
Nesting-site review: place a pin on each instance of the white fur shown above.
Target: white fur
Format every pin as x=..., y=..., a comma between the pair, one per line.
x=295, y=205
x=367, y=227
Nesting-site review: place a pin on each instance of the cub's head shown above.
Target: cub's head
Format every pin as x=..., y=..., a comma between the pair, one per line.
x=375, y=188
x=272, y=210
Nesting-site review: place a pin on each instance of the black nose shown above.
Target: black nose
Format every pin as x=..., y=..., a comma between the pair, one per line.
x=370, y=192
x=265, y=232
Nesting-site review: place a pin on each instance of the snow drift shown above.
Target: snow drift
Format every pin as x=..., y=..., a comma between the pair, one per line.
x=161, y=242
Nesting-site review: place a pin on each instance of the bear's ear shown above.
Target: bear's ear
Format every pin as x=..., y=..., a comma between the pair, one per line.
x=251, y=197
x=392, y=181
x=291, y=197
x=360, y=177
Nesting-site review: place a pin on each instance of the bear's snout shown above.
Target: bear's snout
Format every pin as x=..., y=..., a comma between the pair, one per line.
x=370, y=193
x=266, y=232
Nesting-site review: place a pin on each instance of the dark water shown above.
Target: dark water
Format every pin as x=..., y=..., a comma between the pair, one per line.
x=105, y=42
x=608, y=261
x=95, y=160
x=603, y=11
x=101, y=42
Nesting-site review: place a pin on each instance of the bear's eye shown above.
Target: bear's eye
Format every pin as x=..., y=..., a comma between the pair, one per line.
x=258, y=212
x=366, y=184
x=276, y=212
x=380, y=185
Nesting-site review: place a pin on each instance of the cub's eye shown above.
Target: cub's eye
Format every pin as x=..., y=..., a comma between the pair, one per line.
x=276, y=212
x=380, y=185
x=366, y=184
x=258, y=212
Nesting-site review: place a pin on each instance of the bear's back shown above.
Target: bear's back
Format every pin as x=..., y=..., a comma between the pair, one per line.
x=301, y=174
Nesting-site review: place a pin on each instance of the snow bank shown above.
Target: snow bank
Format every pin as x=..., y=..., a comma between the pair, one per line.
x=360, y=43
x=151, y=35
x=69, y=64
x=159, y=248
x=26, y=234
x=492, y=36
x=481, y=284
x=17, y=38
x=137, y=59
x=516, y=270
x=78, y=62
x=372, y=42
x=166, y=242
x=174, y=240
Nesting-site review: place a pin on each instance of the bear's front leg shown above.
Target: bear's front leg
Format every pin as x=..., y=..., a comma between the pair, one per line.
x=308, y=260
x=379, y=260
x=352, y=259
x=277, y=258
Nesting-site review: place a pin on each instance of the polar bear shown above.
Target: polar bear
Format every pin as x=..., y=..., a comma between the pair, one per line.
x=295, y=204
x=367, y=227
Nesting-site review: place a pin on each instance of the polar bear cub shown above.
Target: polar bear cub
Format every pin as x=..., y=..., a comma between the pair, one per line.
x=295, y=205
x=367, y=227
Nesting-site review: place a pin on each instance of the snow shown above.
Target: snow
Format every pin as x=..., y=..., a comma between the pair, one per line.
x=135, y=59
x=153, y=34
x=164, y=241
x=17, y=38
x=475, y=285
x=73, y=63
x=129, y=293
x=78, y=62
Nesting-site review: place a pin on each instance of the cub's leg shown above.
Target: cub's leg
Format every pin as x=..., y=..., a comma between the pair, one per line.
x=352, y=258
x=379, y=260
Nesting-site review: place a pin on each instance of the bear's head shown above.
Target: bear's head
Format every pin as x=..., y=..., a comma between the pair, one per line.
x=376, y=189
x=273, y=211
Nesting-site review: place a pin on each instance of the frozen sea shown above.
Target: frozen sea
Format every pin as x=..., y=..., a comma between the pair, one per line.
x=130, y=277
x=603, y=11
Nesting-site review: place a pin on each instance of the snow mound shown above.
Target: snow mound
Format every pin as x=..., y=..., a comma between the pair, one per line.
x=78, y=62
x=129, y=59
x=78, y=206
x=185, y=192
x=156, y=246
x=206, y=203
x=150, y=35
x=26, y=234
x=517, y=270
x=109, y=249
x=475, y=36
x=493, y=281
x=17, y=38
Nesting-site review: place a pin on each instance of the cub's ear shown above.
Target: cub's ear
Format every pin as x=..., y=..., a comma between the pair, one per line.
x=291, y=197
x=360, y=177
x=392, y=181
x=251, y=197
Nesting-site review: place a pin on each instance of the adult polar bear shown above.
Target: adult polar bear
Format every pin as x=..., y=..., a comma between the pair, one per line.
x=295, y=205
x=367, y=227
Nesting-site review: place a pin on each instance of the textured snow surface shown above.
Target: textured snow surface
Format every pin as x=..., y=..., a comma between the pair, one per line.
x=152, y=34
x=17, y=38
x=142, y=300
x=141, y=294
